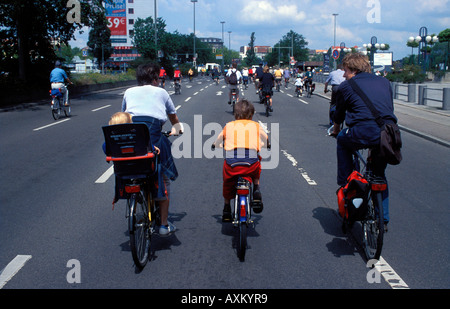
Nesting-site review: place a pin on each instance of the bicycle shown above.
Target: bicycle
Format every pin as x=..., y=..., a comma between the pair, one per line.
x=135, y=171
x=57, y=104
x=233, y=98
x=278, y=83
x=267, y=104
x=177, y=87
x=308, y=89
x=372, y=221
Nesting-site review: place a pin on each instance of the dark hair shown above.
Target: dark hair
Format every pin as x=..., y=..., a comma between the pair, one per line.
x=147, y=73
x=244, y=110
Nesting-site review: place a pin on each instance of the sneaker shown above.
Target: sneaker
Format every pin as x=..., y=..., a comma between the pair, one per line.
x=226, y=214
x=229, y=102
x=257, y=204
x=167, y=230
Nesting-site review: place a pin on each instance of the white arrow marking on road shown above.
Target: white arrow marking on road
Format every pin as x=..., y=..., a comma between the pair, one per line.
x=12, y=268
x=106, y=175
x=219, y=92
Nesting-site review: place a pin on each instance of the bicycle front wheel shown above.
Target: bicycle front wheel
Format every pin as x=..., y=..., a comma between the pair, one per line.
x=139, y=229
x=373, y=227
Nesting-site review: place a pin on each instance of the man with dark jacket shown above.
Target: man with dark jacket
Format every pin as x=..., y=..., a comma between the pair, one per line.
x=362, y=130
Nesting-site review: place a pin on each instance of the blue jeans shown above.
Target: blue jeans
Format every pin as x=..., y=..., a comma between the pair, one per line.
x=346, y=146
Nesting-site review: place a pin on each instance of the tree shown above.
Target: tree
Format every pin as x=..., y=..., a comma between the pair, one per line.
x=444, y=36
x=99, y=38
x=31, y=29
x=283, y=49
x=251, y=55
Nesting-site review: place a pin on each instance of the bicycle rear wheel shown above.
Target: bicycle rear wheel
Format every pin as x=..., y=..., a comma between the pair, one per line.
x=139, y=228
x=373, y=227
x=67, y=109
x=56, y=109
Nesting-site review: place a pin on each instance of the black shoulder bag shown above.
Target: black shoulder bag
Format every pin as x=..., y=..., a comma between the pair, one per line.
x=390, y=138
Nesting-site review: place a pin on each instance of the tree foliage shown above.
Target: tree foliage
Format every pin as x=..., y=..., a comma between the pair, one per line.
x=282, y=50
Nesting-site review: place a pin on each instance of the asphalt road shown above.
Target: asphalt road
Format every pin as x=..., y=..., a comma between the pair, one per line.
x=53, y=211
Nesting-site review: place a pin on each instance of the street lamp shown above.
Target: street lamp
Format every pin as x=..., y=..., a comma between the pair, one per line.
x=229, y=44
x=334, y=43
x=423, y=38
x=194, y=58
x=223, y=45
x=373, y=46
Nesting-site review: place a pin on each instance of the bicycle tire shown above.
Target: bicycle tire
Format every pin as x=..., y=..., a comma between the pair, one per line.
x=242, y=247
x=139, y=230
x=67, y=110
x=373, y=227
x=267, y=107
x=56, y=109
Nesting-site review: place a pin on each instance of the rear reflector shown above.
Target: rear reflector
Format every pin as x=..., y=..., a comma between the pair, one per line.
x=128, y=149
x=132, y=189
x=379, y=186
x=242, y=191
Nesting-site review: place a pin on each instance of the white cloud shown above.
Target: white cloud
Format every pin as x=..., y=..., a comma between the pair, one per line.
x=265, y=12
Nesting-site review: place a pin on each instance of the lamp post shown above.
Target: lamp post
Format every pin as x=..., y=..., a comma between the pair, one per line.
x=223, y=45
x=194, y=58
x=373, y=46
x=423, y=38
x=334, y=42
x=229, y=45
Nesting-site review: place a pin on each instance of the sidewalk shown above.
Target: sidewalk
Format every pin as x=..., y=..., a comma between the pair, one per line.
x=428, y=122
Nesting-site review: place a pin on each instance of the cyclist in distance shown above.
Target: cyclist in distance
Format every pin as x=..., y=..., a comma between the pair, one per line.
x=334, y=79
x=242, y=140
x=162, y=77
x=267, y=82
x=177, y=76
x=233, y=78
x=258, y=74
x=278, y=75
x=215, y=74
x=362, y=130
x=57, y=78
x=245, y=77
x=287, y=76
x=153, y=106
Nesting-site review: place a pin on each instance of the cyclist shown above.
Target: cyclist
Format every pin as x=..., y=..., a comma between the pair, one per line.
x=362, y=131
x=287, y=76
x=257, y=75
x=267, y=82
x=245, y=74
x=153, y=106
x=191, y=74
x=299, y=84
x=233, y=78
x=278, y=75
x=57, y=78
x=334, y=79
x=215, y=75
x=242, y=140
x=162, y=77
x=177, y=76
x=308, y=77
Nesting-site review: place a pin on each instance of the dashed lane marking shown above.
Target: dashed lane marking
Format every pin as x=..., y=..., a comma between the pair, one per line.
x=12, y=268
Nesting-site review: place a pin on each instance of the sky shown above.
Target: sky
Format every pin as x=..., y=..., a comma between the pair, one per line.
x=391, y=21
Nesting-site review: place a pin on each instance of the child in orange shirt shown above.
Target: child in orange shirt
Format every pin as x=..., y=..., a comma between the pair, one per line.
x=242, y=140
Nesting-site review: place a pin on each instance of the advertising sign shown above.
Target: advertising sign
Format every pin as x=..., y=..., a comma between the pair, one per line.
x=117, y=17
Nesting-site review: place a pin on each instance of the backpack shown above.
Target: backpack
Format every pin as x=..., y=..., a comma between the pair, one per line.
x=232, y=79
x=353, y=198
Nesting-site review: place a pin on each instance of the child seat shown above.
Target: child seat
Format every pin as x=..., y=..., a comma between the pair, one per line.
x=129, y=147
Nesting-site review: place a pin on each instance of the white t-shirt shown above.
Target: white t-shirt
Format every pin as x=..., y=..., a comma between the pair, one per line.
x=148, y=101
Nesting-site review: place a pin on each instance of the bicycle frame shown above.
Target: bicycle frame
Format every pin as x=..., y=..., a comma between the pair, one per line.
x=242, y=213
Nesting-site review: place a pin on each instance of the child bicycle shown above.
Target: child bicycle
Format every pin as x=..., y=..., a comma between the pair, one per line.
x=366, y=207
x=135, y=169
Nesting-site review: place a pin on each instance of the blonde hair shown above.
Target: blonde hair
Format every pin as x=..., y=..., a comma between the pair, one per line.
x=119, y=118
x=356, y=62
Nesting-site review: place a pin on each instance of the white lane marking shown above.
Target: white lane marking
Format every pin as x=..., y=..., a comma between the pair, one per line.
x=52, y=124
x=196, y=93
x=391, y=277
x=109, y=172
x=178, y=107
x=264, y=127
x=12, y=268
x=97, y=109
x=302, y=171
x=303, y=101
x=187, y=99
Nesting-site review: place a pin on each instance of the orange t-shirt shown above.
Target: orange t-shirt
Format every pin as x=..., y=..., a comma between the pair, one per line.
x=242, y=134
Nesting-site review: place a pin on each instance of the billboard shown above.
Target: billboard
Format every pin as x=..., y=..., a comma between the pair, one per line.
x=116, y=14
x=382, y=61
